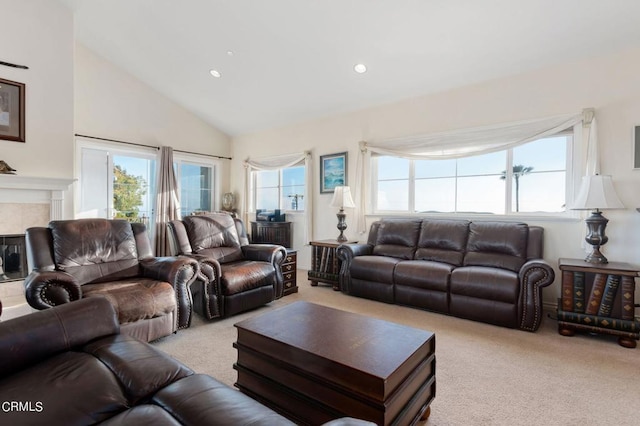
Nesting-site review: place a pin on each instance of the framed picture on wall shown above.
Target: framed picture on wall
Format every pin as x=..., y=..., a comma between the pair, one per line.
x=333, y=171
x=11, y=110
x=636, y=147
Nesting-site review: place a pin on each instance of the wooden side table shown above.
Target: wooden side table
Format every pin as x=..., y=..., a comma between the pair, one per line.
x=325, y=265
x=598, y=298
x=289, y=267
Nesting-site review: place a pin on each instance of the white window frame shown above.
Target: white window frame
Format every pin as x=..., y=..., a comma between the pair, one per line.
x=113, y=149
x=254, y=192
x=202, y=161
x=570, y=179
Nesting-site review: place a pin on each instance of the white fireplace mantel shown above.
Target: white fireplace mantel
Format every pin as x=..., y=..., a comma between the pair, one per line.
x=32, y=189
x=34, y=183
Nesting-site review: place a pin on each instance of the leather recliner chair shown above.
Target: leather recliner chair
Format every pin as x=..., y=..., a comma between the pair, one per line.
x=75, y=259
x=235, y=276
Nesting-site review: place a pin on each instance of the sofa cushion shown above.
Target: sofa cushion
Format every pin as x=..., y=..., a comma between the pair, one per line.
x=202, y=400
x=146, y=414
x=95, y=250
x=486, y=283
x=397, y=238
x=443, y=241
x=140, y=368
x=423, y=274
x=136, y=299
x=497, y=244
x=374, y=268
x=238, y=277
x=214, y=235
x=66, y=387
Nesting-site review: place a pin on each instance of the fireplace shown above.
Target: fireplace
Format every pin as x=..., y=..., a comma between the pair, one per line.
x=24, y=202
x=13, y=259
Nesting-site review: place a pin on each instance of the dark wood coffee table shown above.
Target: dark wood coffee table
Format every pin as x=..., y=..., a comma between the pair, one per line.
x=313, y=364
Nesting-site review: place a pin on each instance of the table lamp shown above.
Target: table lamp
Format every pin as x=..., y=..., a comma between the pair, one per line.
x=342, y=198
x=597, y=193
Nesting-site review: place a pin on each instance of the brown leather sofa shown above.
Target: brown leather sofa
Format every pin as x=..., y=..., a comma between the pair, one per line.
x=69, y=365
x=485, y=271
x=74, y=259
x=235, y=276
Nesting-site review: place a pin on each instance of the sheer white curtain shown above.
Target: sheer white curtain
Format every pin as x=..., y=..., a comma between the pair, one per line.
x=167, y=204
x=280, y=162
x=456, y=144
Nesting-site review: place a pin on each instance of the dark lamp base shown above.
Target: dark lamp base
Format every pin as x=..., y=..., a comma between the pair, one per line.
x=342, y=225
x=596, y=224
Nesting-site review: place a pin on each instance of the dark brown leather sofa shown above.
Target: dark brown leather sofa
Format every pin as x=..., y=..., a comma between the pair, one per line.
x=235, y=276
x=485, y=271
x=73, y=259
x=69, y=365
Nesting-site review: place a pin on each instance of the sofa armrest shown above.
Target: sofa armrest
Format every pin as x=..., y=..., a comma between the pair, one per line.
x=271, y=253
x=209, y=278
x=534, y=275
x=180, y=272
x=45, y=289
x=29, y=339
x=346, y=253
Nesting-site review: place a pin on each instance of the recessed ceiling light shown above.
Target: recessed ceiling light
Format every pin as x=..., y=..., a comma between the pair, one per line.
x=230, y=52
x=360, y=68
x=215, y=73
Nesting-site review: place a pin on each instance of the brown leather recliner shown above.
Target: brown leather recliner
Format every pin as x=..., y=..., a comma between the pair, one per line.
x=235, y=276
x=75, y=259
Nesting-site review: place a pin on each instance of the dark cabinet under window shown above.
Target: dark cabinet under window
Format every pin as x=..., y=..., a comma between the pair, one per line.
x=271, y=233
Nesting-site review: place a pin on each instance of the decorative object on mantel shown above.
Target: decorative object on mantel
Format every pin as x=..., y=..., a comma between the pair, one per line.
x=597, y=193
x=12, y=110
x=6, y=169
x=342, y=198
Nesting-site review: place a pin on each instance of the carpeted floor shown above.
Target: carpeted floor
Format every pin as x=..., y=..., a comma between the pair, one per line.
x=486, y=375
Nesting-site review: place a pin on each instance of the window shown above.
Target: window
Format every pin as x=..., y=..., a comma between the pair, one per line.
x=120, y=182
x=116, y=183
x=530, y=178
x=195, y=185
x=279, y=189
x=134, y=180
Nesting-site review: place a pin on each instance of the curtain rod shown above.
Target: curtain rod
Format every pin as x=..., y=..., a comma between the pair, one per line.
x=151, y=146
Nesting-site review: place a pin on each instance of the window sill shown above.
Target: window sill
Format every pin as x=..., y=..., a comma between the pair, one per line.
x=523, y=217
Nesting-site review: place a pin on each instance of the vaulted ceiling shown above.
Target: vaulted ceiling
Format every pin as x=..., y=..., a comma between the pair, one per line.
x=286, y=61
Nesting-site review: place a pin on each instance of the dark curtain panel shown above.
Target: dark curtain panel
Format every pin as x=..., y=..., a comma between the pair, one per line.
x=167, y=204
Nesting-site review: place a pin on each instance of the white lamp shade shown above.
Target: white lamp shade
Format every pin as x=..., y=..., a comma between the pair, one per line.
x=342, y=197
x=597, y=192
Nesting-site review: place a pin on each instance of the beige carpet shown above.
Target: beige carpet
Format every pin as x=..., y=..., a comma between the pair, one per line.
x=486, y=375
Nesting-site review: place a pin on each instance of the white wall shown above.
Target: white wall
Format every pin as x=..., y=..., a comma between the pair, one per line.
x=39, y=34
x=609, y=84
x=110, y=103
x=90, y=96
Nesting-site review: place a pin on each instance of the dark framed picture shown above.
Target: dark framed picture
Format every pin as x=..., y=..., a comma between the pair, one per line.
x=333, y=171
x=11, y=110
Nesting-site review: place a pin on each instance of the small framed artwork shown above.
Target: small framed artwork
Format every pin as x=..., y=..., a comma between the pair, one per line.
x=333, y=171
x=11, y=110
x=636, y=147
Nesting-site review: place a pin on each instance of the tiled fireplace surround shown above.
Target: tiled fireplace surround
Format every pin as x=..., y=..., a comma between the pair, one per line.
x=25, y=202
